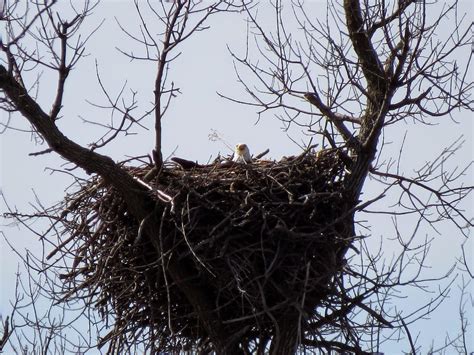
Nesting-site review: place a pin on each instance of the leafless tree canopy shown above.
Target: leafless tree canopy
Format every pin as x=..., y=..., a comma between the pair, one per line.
x=242, y=258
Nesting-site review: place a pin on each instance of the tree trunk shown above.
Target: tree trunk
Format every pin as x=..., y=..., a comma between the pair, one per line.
x=285, y=342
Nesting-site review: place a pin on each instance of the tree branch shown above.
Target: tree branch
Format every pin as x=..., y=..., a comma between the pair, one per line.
x=336, y=119
x=135, y=195
x=371, y=66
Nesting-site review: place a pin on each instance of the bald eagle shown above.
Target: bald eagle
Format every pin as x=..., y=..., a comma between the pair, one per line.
x=242, y=154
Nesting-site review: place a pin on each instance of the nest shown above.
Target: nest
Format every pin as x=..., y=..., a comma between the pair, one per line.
x=266, y=239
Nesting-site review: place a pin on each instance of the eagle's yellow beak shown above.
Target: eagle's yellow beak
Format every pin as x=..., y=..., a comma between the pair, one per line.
x=240, y=147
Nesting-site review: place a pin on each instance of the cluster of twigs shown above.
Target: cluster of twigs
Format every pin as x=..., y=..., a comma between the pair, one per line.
x=260, y=235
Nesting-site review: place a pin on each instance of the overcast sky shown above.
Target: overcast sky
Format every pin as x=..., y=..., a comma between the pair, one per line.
x=204, y=68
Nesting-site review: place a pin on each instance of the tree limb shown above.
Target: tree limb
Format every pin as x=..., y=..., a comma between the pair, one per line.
x=337, y=120
x=371, y=66
x=135, y=195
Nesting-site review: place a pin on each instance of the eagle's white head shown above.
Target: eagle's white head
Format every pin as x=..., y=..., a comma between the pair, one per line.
x=242, y=154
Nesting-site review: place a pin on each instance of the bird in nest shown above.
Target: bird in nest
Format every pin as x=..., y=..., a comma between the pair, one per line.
x=242, y=154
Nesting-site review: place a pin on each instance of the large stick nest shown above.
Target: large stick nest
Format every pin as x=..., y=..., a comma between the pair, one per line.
x=266, y=239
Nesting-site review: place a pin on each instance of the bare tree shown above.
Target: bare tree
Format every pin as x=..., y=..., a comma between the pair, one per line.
x=368, y=66
x=245, y=258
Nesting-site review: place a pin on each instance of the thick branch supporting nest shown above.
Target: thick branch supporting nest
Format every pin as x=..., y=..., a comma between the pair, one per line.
x=266, y=240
